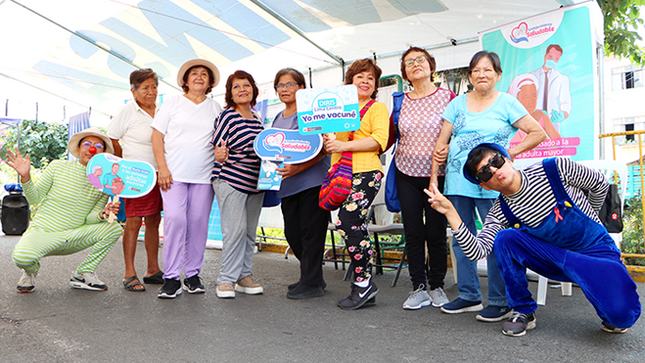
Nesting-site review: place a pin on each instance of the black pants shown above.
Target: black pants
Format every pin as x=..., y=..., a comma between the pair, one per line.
x=414, y=202
x=305, y=226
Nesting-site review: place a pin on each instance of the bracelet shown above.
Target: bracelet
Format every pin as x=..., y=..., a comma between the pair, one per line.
x=102, y=214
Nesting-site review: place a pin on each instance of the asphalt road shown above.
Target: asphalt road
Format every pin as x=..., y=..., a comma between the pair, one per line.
x=59, y=324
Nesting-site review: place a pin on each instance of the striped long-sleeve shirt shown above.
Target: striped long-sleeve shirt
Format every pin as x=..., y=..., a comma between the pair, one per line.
x=67, y=198
x=242, y=168
x=535, y=200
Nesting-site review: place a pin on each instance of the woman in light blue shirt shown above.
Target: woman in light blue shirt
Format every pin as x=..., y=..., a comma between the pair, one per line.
x=484, y=115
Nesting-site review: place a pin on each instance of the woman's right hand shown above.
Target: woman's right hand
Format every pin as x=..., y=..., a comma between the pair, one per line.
x=165, y=179
x=221, y=153
x=20, y=165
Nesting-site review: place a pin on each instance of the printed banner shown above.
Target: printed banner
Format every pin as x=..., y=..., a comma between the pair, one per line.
x=548, y=65
x=115, y=176
x=329, y=109
x=269, y=178
x=288, y=145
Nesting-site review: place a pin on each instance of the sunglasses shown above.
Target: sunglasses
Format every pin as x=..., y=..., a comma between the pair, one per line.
x=410, y=62
x=98, y=145
x=484, y=174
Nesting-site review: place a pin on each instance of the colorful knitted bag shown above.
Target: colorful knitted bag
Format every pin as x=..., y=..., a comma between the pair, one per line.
x=338, y=182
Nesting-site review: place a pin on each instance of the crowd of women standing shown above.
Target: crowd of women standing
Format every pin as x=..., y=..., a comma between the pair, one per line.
x=203, y=151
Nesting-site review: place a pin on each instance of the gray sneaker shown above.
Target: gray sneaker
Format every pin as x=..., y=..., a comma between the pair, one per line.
x=438, y=297
x=27, y=283
x=417, y=299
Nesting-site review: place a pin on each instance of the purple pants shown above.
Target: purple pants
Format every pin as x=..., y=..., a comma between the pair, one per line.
x=185, y=204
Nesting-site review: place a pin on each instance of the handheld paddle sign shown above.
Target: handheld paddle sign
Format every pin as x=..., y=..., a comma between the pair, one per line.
x=328, y=109
x=288, y=145
x=120, y=178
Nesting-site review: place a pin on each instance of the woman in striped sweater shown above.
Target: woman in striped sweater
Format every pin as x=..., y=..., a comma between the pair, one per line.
x=71, y=216
x=234, y=178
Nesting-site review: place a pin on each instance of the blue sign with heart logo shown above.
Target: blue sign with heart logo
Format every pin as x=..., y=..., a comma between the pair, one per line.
x=288, y=145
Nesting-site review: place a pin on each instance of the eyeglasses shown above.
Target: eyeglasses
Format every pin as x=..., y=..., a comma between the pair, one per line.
x=97, y=145
x=484, y=174
x=410, y=62
x=287, y=85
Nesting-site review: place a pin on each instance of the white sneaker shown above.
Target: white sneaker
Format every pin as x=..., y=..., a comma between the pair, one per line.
x=438, y=297
x=248, y=286
x=225, y=291
x=417, y=299
x=27, y=283
x=87, y=281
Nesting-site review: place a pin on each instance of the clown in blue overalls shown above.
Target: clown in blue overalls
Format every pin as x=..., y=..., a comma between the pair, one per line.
x=546, y=219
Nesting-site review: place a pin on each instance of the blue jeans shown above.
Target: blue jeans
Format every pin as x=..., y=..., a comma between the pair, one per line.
x=467, y=278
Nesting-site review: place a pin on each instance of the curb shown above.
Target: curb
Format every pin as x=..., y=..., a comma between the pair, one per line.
x=637, y=273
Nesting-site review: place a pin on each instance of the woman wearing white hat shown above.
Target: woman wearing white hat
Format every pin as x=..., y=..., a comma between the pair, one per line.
x=181, y=136
x=71, y=216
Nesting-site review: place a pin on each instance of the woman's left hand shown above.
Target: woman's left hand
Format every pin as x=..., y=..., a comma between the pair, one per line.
x=221, y=153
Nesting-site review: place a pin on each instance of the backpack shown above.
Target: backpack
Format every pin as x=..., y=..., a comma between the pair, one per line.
x=392, y=202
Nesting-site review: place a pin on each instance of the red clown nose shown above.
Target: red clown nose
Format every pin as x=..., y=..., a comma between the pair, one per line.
x=92, y=150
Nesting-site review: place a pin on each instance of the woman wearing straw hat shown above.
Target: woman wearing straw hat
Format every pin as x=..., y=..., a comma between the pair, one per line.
x=181, y=136
x=71, y=216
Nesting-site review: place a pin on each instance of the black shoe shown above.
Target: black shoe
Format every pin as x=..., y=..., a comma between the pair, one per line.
x=518, y=324
x=323, y=285
x=358, y=296
x=194, y=285
x=170, y=289
x=305, y=292
x=493, y=313
x=293, y=286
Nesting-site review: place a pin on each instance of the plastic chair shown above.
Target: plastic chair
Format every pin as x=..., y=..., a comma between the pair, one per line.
x=608, y=167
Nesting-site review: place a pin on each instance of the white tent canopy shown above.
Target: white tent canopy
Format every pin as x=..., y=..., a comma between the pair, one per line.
x=78, y=54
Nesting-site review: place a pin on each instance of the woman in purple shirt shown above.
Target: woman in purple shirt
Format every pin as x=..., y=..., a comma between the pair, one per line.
x=305, y=223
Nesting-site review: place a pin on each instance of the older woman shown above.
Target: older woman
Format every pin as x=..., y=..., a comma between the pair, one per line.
x=234, y=179
x=72, y=213
x=305, y=223
x=132, y=126
x=419, y=127
x=181, y=136
x=364, y=144
x=484, y=115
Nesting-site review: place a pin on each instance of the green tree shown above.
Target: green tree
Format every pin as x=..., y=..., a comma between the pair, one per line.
x=43, y=141
x=622, y=20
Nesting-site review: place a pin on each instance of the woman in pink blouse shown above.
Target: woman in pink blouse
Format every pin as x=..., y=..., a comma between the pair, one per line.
x=420, y=123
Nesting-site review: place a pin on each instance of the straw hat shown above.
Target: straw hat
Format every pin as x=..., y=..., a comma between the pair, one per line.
x=72, y=145
x=197, y=62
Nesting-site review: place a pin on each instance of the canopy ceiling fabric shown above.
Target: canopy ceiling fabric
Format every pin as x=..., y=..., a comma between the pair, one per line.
x=81, y=52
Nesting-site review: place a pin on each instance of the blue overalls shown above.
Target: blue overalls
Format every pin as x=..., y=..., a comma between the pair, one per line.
x=567, y=246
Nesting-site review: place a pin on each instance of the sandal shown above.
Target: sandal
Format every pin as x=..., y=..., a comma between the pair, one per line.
x=132, y=282
x=154, y=279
